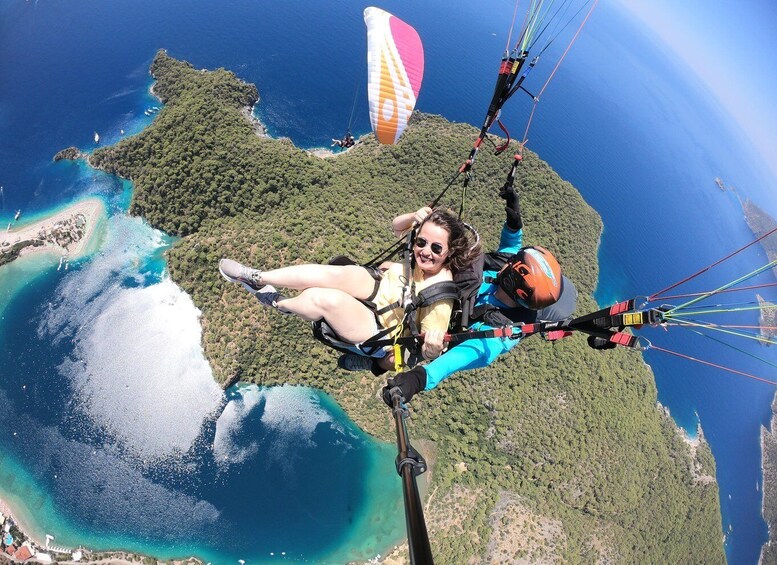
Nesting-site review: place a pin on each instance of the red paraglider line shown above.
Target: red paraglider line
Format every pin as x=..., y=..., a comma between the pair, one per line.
x=705, y=269
x=512, y=25
x=709, y=364
x=690, y=294
x=558, y=64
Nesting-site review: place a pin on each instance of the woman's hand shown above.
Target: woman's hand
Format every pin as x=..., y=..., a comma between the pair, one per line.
x=406, y=221
x=433, y=344
x=421, y=214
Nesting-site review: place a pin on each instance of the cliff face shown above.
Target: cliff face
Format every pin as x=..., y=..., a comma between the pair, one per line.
x=570, y=435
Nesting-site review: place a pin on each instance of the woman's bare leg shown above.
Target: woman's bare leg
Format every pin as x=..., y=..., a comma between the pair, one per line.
x=351, y=279
x=351, y=319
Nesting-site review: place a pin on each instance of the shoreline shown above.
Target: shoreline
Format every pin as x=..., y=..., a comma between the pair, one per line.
x=8, y=512
x=88, y=556
x=92, y=210
x=260, y=129
x=67, y=232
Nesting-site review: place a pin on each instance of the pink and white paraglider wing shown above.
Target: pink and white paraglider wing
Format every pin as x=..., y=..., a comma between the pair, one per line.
x=395, y=69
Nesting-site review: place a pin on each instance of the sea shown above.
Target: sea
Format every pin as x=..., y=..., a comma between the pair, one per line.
x=113, y=434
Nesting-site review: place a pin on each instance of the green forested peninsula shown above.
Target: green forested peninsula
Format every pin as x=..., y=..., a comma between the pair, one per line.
x=556, y=452
x=761, y=223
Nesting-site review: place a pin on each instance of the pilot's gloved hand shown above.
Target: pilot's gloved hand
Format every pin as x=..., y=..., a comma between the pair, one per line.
x=409, y=383
x=512, y=207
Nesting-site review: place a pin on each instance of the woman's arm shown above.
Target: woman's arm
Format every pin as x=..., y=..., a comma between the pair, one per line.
x=402, y=223
x=434, y=323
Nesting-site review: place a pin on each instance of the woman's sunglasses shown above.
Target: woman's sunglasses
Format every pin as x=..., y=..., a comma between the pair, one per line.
x=436, y=248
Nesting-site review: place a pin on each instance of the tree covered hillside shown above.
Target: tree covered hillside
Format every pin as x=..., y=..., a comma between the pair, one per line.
x=556, y=452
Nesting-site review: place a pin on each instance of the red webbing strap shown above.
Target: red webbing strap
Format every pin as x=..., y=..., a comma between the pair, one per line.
x=600, y=316
x=556, y=335
x=624, y=339
x=530, y=329
x=506, y=144
x=621, y=307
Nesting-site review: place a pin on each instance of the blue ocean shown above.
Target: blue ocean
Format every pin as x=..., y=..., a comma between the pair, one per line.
x=112, y=433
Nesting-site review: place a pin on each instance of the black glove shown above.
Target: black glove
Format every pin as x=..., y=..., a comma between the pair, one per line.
x=409, y=382
x=512, y=208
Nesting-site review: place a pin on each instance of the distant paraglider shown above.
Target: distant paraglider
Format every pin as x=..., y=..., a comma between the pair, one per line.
x=395, y=69
x=347, y=141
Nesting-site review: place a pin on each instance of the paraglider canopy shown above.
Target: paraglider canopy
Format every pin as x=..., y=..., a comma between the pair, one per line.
x=395, y=69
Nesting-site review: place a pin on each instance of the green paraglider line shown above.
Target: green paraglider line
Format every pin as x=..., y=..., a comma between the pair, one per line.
x=727, y=330
x=654, y=296
x=741, y=288
x=724, y=287
x=525, y=139
x=556, y=19
x=730, y=308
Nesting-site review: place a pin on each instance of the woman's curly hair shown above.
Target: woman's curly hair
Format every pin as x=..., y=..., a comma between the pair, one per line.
x=463, y=241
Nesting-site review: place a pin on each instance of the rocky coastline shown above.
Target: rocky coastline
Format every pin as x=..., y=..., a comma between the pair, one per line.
x=767, y=320
x=769, y=486
x=761, y=223
x=70, y=154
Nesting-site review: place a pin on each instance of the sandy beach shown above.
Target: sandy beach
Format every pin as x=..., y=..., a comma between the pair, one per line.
x=104, y=558
x=8, y=512
x=67, y=232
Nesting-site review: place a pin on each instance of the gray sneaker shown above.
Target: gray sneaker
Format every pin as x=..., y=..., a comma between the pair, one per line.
x=237, y=273
x=355, y=362
x=268, y=296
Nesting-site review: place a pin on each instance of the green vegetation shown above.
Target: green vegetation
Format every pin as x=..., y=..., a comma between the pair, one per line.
x=574, y=433
x=760, y=223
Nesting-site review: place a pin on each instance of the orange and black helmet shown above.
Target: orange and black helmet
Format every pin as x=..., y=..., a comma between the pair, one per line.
x=532, y=277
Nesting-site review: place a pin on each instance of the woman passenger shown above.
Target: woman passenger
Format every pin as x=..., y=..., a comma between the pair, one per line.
x=353, y=300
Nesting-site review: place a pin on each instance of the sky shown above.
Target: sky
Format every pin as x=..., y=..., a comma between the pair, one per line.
x=732, y=46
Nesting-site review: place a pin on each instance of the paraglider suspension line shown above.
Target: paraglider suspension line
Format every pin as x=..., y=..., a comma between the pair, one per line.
x=710, y=364
x=707, y=268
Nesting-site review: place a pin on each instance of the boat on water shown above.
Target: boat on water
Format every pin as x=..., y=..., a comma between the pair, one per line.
x=16, y=216
x=96, y=137
x=719, y=182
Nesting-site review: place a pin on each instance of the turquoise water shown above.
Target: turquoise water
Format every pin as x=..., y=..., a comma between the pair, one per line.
x=623, y=121
x=110, y=395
